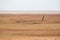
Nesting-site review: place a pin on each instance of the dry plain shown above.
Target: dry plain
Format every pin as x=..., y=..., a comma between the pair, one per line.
x=29, y=27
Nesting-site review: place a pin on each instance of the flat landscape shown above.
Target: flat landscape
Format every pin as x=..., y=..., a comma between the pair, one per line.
x=29, y=27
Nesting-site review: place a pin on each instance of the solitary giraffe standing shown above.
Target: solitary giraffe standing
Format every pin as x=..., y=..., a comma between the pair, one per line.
x=43, y=18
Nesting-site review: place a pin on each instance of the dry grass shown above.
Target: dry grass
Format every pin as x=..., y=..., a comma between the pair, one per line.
x=29, y=27
x=28, y=38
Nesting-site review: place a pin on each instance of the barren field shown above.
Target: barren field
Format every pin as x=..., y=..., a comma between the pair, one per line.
x=29, y=27
x=28, y=38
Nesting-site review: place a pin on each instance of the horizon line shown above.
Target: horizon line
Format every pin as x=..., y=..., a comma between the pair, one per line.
x=29, y=12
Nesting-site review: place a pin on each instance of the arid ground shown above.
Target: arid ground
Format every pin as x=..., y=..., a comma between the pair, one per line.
x=29, y=27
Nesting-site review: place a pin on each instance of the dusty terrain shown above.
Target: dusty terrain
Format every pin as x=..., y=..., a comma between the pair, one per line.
x=29, y=27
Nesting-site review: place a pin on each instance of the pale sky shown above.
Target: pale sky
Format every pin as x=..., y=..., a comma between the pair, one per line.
x=29, y=5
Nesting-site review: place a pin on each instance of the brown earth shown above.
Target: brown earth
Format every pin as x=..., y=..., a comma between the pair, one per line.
x=29, y=19
x=29, y=27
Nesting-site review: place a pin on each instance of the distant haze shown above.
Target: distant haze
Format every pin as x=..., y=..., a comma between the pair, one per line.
x=29, y=5
x=29, y=12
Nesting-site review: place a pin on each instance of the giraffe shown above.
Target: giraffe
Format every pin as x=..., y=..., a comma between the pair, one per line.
x=43, y=17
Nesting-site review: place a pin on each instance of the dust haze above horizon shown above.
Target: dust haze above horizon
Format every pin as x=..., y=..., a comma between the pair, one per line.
x=29, y=5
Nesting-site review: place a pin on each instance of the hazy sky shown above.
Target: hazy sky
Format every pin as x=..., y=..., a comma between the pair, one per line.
x=30, y=5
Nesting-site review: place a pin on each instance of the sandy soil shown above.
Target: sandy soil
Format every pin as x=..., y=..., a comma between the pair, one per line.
x=30, y=19
x=28, y=38
x=29, y=27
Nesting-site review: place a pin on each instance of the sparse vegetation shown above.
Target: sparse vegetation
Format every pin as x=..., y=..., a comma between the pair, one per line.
x=17, y=27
